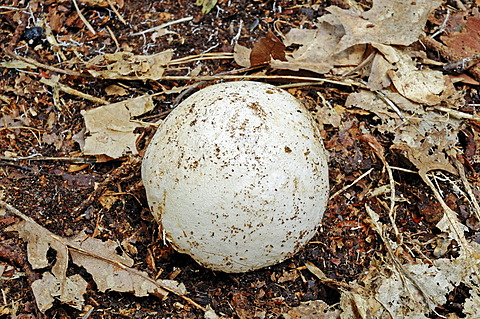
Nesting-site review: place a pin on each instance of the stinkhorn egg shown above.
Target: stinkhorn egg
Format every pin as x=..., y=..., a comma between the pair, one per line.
x=236, y=176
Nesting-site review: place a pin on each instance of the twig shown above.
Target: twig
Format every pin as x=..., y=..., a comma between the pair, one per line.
x=9, y=52
x=195, y=85
x=15, y=165
x=163, y=25
x=448, y=54
x=467, y=185
x=389, y=102
x=119, y=16
x=77, y=160
x=403, y=169
x=301, y=84
x=442, y=27
x=457, y=114
x=87, y=24
x=378, y=150
x=201, y=57
x=346, y=82
x=351, y=184
x=71, y=91
x=403, y=273
x=112, y=35
x=359, y=66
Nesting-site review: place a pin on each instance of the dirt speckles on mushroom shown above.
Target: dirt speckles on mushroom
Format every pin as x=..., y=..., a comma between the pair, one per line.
x=241, y=169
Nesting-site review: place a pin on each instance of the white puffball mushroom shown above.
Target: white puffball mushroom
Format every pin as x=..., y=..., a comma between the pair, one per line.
x=237, y=177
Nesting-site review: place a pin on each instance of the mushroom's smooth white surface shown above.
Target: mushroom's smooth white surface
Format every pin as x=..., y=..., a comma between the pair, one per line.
x=237, y=176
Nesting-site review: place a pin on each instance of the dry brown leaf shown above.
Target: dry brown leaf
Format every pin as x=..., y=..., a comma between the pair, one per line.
x=241, y=54
x=109, y=270
x=115, y=90
x=125, y=65
x=317, y=52
x=341, y=37
x=111, y=274
x=374, y=103
x=462, y=36
x=378, y=77
x=110, y=129
x=422, y=86
x=388, y=22
x=48, y=288
x=424, y=139
x=267, y=48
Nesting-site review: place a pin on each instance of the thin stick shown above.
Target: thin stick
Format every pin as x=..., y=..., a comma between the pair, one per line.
x=389, y=102
x=301, y=84
x=87, y=24
x=347, y=82
x=41, y=65
x=119, y=16
x=69, y=90
x=361, y=65
x=467, y=186
x=457, y=114
x=442, y=27
x=112, y=35
x=163, y=25
x=403, y=169
x=202, y=57
x=350, y=185
x=78, y=160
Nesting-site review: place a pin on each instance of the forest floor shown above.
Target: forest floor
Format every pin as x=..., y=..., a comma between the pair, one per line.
x=403, y=210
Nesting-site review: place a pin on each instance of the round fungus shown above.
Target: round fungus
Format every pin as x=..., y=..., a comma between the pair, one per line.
x=237, y=177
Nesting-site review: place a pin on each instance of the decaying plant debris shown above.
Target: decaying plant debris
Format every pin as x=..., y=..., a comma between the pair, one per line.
x=393, y=88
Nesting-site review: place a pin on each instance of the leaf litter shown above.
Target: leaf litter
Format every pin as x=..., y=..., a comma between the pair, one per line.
x=405, y=98
x=110, y=271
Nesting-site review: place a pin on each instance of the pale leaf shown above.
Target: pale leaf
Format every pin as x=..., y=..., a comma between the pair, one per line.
x=125, y=65
x=109, y=270
x=388, y=22
x=317, y=48
x=312, y=309
x=110, y=129
x=241, y=54
x=421, y=86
